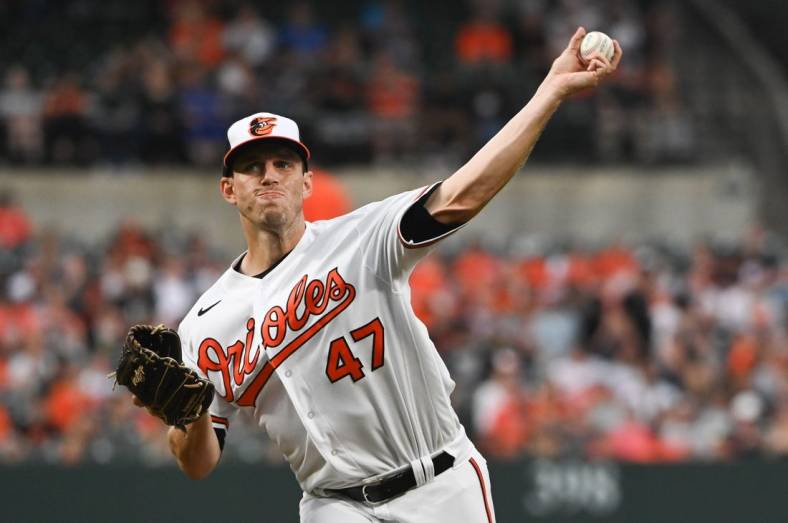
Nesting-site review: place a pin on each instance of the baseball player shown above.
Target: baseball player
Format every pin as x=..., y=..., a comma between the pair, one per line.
x=311, y=331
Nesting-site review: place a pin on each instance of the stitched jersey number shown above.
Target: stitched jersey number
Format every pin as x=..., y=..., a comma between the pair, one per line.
x=341, y=361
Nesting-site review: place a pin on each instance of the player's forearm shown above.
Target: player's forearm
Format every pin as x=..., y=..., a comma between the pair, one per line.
x=469, y=189
x=197, y=450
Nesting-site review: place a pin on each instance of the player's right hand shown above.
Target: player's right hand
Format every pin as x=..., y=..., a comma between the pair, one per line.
x=569, y=74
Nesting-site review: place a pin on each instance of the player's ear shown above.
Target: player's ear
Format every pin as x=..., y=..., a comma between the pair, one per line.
x=227, y=188
x=307, y=192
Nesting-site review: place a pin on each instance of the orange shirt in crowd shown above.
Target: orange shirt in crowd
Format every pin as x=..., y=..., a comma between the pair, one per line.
x=198, y=38
x=614, y=260
x=65, y=404
x=15, y=228
x=534, y=271
x=742, y=356
x=428, y=278
x=65, y=99
x=476, y=269
x=3, y=373
x=483, y=42
x=392, y=93
x=635, y=442
x=5, y=425
x=18, y=321
x=509, y=432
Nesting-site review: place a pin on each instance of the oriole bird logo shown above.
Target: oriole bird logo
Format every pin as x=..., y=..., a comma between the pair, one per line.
x=262, y=126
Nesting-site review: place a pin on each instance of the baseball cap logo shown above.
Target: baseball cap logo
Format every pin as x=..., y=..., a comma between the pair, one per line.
x=262, y=125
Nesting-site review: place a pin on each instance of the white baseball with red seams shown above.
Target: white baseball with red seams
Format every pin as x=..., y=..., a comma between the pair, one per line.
x=596, y=42
x=328, y=356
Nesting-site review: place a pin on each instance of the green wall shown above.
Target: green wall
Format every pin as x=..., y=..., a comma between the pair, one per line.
x=538, y=491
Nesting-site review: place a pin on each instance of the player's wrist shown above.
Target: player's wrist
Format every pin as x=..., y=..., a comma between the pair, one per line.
x=554, y=89
x=550, y=94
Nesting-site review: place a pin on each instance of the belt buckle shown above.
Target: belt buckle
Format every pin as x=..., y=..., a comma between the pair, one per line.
x=364, y=494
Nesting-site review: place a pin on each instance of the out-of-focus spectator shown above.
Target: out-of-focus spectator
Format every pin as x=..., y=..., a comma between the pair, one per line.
x=65, y=121
x=483, y=39
x=66, y=404
x=249, y=36
x=341, y=127
x=202, y=116
x=388, y=27
x=432, y=299
x=174, y=295
x=20, y=108
x=196, y=36
x=162, y=133
x=15, y=227
x=530, y=36
x=501, y=420
x=302, y=33
x=445, y=122
x=116, y=112
x=393, y=95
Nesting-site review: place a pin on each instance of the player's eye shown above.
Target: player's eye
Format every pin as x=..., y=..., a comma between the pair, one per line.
x=283, y=164
x=251, y=168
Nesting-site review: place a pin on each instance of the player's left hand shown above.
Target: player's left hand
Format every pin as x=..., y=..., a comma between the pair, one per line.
x=569, y=74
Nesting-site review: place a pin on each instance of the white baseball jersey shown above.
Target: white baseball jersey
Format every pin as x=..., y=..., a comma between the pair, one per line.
x=326, y=351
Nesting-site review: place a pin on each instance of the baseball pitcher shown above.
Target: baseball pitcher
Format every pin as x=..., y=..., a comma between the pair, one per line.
x=311, y=329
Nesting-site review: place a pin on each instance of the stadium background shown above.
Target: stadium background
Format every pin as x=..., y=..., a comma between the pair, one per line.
x=615, y=321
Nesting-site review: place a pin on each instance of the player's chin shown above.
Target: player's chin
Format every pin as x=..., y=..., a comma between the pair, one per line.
x=273, y=217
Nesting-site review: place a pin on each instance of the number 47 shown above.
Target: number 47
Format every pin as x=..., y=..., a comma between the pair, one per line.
x=341, y=361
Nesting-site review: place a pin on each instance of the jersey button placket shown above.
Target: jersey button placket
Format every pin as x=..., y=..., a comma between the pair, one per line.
x=310, y=414
x=288, y=373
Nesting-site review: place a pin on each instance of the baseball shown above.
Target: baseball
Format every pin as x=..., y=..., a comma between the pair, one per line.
x=596, y=42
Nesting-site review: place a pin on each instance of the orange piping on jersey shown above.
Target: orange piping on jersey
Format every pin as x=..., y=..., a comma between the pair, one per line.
x=336, y=284
x=220, y=421
x=421, y=245
x=484, y=489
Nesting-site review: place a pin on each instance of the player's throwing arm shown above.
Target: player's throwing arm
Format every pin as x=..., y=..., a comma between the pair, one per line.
x=468, y=190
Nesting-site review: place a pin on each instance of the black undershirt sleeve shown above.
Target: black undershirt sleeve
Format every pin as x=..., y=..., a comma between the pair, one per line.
x=220, y=435
x=418, y=225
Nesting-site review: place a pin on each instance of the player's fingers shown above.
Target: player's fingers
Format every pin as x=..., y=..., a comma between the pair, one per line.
x=137, y=402
x=600, y=57
x=574, y=42
x=596, y=65
x=617, y=53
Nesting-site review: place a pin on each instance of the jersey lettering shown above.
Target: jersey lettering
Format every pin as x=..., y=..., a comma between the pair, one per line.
x=236, y=358
x=306, y=299
x=341, y=361
x=374, y=329
x=336, y=289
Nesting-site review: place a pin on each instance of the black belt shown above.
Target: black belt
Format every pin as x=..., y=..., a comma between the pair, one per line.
x=392, y=486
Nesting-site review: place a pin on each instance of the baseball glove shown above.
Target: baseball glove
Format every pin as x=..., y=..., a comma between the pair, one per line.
x=150, y=367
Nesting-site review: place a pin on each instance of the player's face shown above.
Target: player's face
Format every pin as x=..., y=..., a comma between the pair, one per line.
x=268, y=185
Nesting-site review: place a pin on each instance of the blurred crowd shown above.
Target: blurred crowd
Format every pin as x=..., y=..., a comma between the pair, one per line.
x=644, y=353
x=116, y=83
